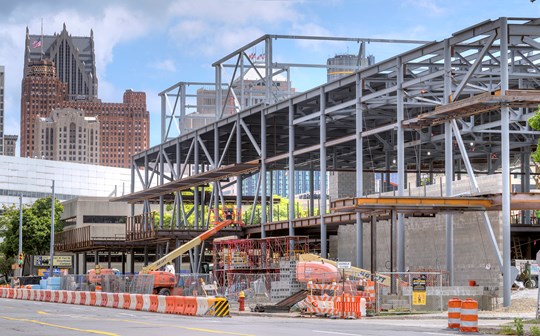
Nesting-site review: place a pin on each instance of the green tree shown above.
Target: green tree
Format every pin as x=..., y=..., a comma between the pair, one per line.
x=534, y=123
x=36, y=228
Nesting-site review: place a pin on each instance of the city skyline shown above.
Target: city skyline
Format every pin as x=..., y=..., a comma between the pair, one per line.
x=148, y=47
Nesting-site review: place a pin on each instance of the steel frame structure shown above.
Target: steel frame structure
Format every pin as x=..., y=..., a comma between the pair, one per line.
x=365, y=122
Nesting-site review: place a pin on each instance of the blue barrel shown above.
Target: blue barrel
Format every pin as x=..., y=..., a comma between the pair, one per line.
x=43, y=283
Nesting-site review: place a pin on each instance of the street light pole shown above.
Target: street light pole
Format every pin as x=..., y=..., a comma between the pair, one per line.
x=20, y=235
x=52, y=233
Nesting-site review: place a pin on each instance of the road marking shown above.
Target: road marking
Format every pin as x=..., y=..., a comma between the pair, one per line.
x=60, y=326
x=42, y=312
x=211, y=331
x=334, y=333
x=434, y=333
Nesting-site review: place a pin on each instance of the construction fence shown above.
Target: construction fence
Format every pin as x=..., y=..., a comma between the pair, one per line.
x=411, y=292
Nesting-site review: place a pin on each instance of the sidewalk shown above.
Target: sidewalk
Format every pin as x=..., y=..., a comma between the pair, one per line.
x=482, y=315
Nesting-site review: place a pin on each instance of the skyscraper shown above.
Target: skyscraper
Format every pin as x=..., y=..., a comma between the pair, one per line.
x=73, y=57
x=59, y=72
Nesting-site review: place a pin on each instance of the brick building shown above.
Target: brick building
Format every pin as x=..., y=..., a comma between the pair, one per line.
x=57, y=74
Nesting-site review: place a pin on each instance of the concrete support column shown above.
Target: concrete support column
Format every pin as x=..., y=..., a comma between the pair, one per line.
x=322, y=120
x=85, y=264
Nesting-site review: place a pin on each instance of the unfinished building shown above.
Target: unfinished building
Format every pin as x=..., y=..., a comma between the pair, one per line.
x=456, y=108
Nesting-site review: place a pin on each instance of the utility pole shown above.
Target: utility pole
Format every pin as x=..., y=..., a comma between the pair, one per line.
x=20, y=235
x=52, y=233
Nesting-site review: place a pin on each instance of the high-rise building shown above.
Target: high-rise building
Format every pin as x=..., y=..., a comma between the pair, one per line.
x=8, y=143
x=2, y=75
x=124, y=127
x=67, y=135
x=73, y=57
x=41, y=92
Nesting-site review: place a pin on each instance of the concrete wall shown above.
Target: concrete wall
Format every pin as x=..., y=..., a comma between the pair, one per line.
x=343, y=184
x=425, y=240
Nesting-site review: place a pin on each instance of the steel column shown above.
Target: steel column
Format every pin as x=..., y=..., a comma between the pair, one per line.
x=239, y=180
x=448, y=161
x=291, y=168
x=263, y=175
x=400, y=162
x=505, y=157
x=359, y=110
x=323, y=171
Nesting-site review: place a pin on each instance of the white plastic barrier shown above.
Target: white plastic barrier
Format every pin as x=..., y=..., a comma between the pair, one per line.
x=162, y=304
x=202, y=306
x=120, y=301
x=132, y=301
x=98, y=299
x=77, y=298
x=146, y=302
x=70, y=297
x=110, y=299
x=62, y=296
x=24, y=294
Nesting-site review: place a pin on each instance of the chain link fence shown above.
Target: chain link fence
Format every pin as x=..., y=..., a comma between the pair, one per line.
x=411, y=292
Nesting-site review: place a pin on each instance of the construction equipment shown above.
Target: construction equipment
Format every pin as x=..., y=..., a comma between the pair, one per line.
x=165, y=282
x=353, y=271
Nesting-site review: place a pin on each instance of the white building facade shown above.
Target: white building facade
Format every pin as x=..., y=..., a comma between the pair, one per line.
x=32, y=178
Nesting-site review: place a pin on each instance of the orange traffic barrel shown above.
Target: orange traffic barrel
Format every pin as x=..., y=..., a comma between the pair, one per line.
x=454, y=313
x=469, y=316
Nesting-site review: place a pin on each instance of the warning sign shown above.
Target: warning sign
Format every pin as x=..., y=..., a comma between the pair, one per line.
x=419, y=291
x=419, y=298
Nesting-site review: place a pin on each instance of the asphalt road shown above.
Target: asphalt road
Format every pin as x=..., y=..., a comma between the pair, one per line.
x=19, y=317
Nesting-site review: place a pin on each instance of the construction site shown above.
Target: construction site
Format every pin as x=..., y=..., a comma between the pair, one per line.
x=417, y=168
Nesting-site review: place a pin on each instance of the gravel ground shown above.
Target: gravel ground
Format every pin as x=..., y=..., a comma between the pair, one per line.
x=523, y=301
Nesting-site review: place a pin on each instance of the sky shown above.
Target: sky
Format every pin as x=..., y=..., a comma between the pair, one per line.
x=149, y=45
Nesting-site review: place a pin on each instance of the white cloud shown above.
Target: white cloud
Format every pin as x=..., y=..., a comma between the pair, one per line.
x=431, y=6
x=165, y=65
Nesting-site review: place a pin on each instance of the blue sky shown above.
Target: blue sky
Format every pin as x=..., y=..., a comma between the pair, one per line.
x=149, y=45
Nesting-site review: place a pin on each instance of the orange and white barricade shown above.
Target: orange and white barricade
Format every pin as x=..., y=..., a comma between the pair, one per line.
x=110, y=300
x=454, y=313
x=202, y=306
x=132, y=301
x=162, y=303
x=469, y=316
x=323, y=304
x=350, y=306
x=120, y=302
x=146, y=302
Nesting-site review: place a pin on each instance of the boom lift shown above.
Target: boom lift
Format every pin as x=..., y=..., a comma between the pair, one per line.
x=164, y=282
